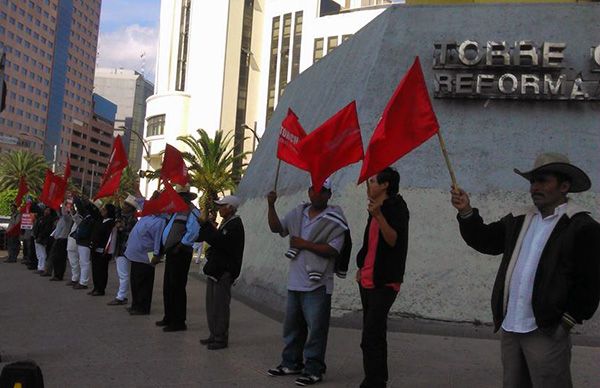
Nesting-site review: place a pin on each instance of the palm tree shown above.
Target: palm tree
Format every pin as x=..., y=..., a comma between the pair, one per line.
x=17, y=164
x=210, y=164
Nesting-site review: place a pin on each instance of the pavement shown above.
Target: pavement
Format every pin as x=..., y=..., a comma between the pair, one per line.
x=79, y=341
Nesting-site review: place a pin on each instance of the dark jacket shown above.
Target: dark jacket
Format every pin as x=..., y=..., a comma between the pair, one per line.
x=43, y=228
x=85, y=230
x=390, y=261
x=226, y=247
x=567, y=280
x=128, y=221
x=102, y=231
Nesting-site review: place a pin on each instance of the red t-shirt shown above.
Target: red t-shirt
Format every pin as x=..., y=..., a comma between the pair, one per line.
x=366, y=272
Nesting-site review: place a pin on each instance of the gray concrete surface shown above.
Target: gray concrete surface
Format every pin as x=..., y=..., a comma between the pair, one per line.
x=80, y=342
x=486, y=139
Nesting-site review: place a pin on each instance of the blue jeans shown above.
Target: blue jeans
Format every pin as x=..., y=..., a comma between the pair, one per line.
x=305, y=330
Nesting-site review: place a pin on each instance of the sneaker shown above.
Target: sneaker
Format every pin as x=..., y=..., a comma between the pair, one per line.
x=283, y=371
x=307, y=379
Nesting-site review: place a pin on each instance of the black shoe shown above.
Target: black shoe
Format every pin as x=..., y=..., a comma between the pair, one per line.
x=283, y=371
x=117, y=302
x=10, y=260
x=307, y=379
x=45, y=274
x=171, y=328
x=97, y=293
x=138, y=312
x=161, y=323
x=79, y=286
x=207, y=341
x=216, y=345
x=70, y=283
x=55, y=279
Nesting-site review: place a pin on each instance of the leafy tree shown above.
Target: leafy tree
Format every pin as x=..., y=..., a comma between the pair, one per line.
x=15, y=164
x=7, y=197
x=210, y=164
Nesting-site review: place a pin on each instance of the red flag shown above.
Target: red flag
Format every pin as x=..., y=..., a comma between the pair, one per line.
x=173, y=167
x=112, y=176
x=23, y=189
x=335, y=144
x=290, y=135
x=53, y=191
x=167, y=202
x=407, y=122
x=109, y=186
x=118, y=158
x=68, y=170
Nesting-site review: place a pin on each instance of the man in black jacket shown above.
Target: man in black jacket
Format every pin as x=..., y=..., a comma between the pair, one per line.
x=223, y=267
x=549, y=277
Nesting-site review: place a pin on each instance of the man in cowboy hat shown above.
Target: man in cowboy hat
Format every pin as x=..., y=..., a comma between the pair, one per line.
x=124, y=225
x=549, y=276
x=177, y=242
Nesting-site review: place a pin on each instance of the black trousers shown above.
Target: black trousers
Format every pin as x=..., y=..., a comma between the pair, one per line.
x=218, y=300
x=31, y=255
x=100, y=270
x=142, y=283
x=376, y=303
x=174, y=296
x=57, y=260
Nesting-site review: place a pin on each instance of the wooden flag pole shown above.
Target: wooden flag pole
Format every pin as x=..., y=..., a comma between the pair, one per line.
x=450, y=170
x=277, y=174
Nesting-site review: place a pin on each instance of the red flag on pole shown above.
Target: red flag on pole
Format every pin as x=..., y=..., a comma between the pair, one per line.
x=53, y=191
x=333, y=145
x=290, y=135
x=167, y=202
x=109, y=186
x=112, y=176
x=68, y=170
x=407, y=122
x=173, y=167
x=23, y=189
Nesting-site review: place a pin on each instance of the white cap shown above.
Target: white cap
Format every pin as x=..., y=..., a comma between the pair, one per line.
x=326, y=184
x=230, y=200
x=132, y=201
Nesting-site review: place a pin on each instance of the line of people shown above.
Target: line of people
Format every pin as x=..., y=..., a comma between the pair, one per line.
x=548, y=280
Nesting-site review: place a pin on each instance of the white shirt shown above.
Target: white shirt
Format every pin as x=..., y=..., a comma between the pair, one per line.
x=519, y=316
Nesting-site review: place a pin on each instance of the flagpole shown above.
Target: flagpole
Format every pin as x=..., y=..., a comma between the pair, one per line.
x=277, y=174
x=448, y=164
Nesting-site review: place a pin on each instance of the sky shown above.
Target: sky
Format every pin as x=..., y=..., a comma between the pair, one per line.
x=128, y=29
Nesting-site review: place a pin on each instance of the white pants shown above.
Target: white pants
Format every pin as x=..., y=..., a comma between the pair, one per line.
x=40, y=252
x=74, y=261
x=85, y=263
x=123, y=269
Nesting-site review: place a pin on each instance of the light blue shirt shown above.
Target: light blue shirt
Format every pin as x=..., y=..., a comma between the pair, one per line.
x=145, y=238
x=192, y=228
x=519, y=315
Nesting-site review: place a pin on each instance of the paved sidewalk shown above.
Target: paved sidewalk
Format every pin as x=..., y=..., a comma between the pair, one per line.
x=79, y=341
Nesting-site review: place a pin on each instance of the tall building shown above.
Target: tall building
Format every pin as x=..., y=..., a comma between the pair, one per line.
x=129, y=90
x=50, y=50
x=224, y=65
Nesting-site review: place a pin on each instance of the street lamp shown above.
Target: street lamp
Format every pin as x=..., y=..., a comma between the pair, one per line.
x=142, y=173
x=54, y=147
x=255, y=137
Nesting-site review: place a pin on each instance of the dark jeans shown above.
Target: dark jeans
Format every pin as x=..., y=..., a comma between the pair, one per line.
x=29, y=252
x=14, y=246
x=305, y=330
x=177, y=266
x=376, y=304
x=57, y=260
x=218, y=298
x=142, y=283
x=100, y=270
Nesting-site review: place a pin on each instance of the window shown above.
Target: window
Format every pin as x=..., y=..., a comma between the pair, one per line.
x=183, y=45
x=156, y=125
x=297, y=44
x=318, y=50
x=273, y=66
x=285, y=52
x=332, y=43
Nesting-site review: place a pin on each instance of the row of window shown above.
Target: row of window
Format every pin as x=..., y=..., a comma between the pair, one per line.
x=17, y=53
x=28, y=101
x=32, y=5
x=156, y=125
x=23, y=85
x=20, y=127
x=21, y=27
x=332, y=43
x=28, y=115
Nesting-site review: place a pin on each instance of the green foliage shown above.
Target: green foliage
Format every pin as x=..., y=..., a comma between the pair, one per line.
x=7, y=197
x=210, y=164
x=15, y=164
x=129, y=185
